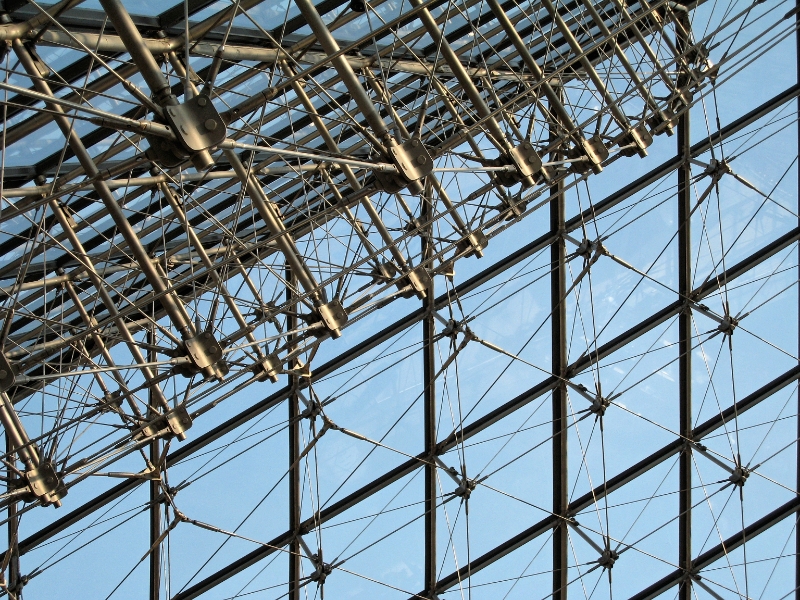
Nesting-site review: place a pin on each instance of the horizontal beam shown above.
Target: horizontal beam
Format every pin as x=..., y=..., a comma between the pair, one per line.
x=400, y=325
x=523, y=399
x=616, y=482
x=720, y=550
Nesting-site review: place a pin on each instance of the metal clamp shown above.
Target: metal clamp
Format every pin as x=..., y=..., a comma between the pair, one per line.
x=412, y=159
x=45, y=484
x=419, y=279
x=269, y=368
x=174, y=423
x=333, y=317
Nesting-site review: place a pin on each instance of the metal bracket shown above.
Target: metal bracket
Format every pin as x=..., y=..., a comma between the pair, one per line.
x=333, y=317
x=420, y=281
x=8, y=373
x=203, y=350
x=412, y=159
x=269, y=368
x=175, y=422
x=45, y=484
x=475, y=242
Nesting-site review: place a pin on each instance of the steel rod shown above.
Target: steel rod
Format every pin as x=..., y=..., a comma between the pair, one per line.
x=684, y=199
x=560, y=423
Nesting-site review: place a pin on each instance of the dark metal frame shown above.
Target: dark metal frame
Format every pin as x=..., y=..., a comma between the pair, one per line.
x=563, y=510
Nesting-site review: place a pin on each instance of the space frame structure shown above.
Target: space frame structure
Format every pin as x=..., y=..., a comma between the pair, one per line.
x=400, y=299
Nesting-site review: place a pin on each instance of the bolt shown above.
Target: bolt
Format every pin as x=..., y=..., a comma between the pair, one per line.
x=3, y=374
x=202, y=101
x=211, y=124
x=415, y=142
x=421, y=159
x=531, y=159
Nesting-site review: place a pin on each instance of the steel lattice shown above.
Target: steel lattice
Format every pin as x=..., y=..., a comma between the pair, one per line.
x=234, y=230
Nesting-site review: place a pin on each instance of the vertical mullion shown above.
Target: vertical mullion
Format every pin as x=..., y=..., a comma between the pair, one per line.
x=558, y=318
x=294, y=453
x=797, y=416
x=155, y=487
x=429, y=371
x=13, y=529
x=685, y=356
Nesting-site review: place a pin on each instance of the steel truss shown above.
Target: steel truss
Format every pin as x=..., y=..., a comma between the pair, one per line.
x=196, y=206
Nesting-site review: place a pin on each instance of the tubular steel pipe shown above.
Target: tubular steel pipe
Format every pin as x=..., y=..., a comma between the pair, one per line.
x=431, y=572
x=685, y=333
x=271, y=217
x=141, y=55
x=560, y=428
x=169, y=300
x=496, y=134
x=345, y=71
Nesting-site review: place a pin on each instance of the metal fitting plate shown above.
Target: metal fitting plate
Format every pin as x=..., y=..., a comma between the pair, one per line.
x=43, y=480
x=526, y=159
x=203, y=350
x=333, y=315
x=412, y=159
x=8, y=374
x=197, y=123
x=269, y=368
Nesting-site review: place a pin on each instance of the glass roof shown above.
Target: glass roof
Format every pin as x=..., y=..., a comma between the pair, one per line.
x=399, y=298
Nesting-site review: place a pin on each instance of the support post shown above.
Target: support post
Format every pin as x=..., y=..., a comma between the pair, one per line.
x=797, y=416
x=558, y=320
x=685, y=358
x=429, y=382
x=294, y=451
x=155, y=487
x=13, y=529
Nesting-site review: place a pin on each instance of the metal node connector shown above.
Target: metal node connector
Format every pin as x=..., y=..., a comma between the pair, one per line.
x=205, y=355
x=638, y=140
x=333, y=317
x=45, y=484
x=174, y=423
x=419, y=279
x=8, y=373
x=475, y=243
x=528, y=163
x=269, y=368
x=588, y=155
x=198, y=127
